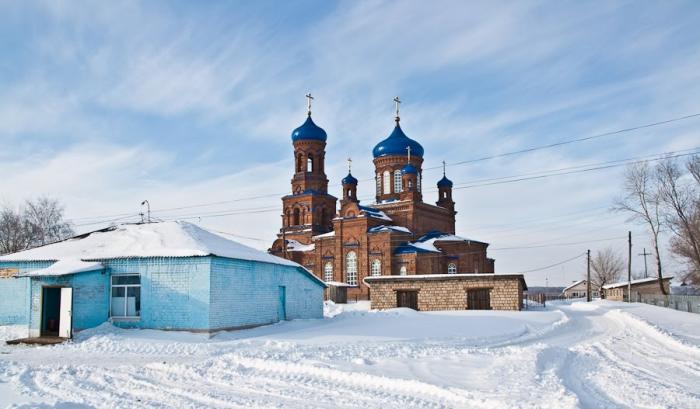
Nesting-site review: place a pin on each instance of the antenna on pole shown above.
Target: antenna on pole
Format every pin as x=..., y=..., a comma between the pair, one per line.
x=148, y=210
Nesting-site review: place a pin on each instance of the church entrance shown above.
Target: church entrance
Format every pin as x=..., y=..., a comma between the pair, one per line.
x=407, y=299
x=479, y=299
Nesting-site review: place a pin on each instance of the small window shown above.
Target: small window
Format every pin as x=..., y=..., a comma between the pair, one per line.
x=402, y=271
x=126, y=296
x=452, y=268
x=297, y=217
x=379, y=184
x=387, y=182
x=397, y=181
x=328, y=272
x=351, y=268
x=310, y=163
x=376, y=268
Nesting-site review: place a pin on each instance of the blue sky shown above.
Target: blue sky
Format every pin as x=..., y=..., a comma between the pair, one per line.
x=104, y=104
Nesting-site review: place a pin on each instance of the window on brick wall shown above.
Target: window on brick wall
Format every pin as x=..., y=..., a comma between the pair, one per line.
x=376, y=268
x=402, y=271
x=397, y=181
x=379, y=184
x=328, y=272
x=452, y=268
x=125, y=300
x=351, y=268
x=387, y=182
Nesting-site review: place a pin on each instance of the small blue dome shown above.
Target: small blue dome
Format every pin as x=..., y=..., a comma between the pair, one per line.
x=444, y=182
x=349, y=180
x=396, y=144
x=409, y=169
x=309, y=131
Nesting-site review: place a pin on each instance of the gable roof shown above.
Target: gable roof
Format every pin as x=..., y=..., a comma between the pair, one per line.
x=574, y=284
x=163, y=239
x=634, y=282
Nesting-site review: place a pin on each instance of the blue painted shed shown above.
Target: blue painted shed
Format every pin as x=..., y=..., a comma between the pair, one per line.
x=167, y=275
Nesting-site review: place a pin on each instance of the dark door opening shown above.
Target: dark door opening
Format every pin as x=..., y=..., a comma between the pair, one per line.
x=50, y=311
x=407, y=299
x=479, y=299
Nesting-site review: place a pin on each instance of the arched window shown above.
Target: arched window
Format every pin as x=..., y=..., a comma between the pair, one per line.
x=296, y=219
x=376, y=268
x=351, y=268
x=379, y=184
x=387, y=182
x=397, y=181
x=328, y=272
x=300, y=162
x=402, y=271
x=452, y=268
x=310, y=163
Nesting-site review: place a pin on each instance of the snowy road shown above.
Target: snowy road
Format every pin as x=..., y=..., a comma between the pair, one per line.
x=581, y=355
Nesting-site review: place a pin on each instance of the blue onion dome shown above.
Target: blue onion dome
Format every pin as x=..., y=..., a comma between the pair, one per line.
x=409, y=169
x=349, y=180
x=444, y=182
x=396, y=144
x=309, y=131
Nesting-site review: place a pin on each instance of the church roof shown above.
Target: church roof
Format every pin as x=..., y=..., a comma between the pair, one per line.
x=376, y=213
x=309, y=131
x=444, y=182
x=349, y=179
x=396, y=144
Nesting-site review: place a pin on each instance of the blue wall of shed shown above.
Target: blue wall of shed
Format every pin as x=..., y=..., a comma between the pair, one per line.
x=246, y=293
x=15, y=294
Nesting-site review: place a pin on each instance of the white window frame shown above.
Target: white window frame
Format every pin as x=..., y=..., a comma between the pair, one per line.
x=397, y=182
x=126, y=298
x=403, y=271
x=328, y=272
x=376, y=268
x=452, y=268
x=351, y=268
x=387, y=183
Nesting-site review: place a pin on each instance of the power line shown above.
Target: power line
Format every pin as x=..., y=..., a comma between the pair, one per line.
x=552, y=265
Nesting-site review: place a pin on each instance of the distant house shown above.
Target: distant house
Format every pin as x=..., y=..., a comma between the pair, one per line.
x=644, y=286
x=169, y=275
x=579, y=289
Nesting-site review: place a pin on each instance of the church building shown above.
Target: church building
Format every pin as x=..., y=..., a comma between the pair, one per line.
x=398, y=235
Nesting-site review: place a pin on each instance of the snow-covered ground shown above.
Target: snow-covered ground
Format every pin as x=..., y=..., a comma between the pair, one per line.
x=599, y=355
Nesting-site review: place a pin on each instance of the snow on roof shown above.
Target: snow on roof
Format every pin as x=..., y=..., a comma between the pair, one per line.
x=574, y=284
x=163, y=239
x=293, y=245
x=427, y=277
x=375, y=213
x=338, y=284
x=381, y=228
x=65, y=267
x=633, y=282
x=427, y=242
x=324, y=235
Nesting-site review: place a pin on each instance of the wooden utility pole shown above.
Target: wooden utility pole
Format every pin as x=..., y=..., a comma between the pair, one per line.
x=588, y=276
x=629, y=267
x=645, y=254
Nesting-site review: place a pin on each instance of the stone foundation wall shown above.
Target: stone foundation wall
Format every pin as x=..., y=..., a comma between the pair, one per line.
x=450, y=293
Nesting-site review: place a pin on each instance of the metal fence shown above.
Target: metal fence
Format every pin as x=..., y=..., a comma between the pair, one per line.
x=539, y=300
x=689, y=303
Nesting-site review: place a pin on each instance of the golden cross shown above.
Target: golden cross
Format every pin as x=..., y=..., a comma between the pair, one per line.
x=443, y=168
x=308, y=103
x=349, y=165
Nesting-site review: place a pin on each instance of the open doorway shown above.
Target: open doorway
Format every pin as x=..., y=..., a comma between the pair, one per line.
x=56, y=306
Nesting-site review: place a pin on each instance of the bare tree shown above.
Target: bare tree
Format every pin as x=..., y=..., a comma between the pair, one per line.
x=40, y=222
x=13, y=232
x=607, y=267
x=681, y=204
x=642, y=201
x=44, y=218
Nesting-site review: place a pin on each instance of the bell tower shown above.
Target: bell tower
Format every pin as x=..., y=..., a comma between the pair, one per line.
x=309, y=209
